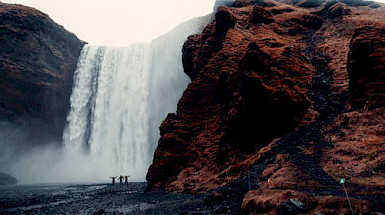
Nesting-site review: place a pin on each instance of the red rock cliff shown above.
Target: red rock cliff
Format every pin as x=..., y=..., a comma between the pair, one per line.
x=286, y=98
x=37, y=61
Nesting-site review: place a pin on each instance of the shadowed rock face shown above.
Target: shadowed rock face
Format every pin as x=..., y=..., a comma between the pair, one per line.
x=282, y=94
x=37, y=61
x=247, y=90
x=366, y=67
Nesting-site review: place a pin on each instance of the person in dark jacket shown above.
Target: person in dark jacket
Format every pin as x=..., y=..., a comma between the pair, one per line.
x=121, y=179
x=126, y=179
x=113, y=179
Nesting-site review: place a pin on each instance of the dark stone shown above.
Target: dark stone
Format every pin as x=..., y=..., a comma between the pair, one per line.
x=312, y=22
x=262, y=112
x=366, y=68
x=325, y=10
x=224, y=21
x=37, y=61
x=339, y=10
x=99, y=212
x=190, y=65
x=280, y=11
x=291, y=207
x=255, y=58
x=261, y=16
x=333, y=9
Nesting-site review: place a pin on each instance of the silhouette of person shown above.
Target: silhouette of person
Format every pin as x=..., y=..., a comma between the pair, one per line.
x=113, y=179
x=126, y=179
x=121, y=179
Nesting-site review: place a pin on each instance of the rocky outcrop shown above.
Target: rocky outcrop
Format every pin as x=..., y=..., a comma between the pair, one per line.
x=37, y=61
x=244, y=97
x=366, y=67
x=270, y=120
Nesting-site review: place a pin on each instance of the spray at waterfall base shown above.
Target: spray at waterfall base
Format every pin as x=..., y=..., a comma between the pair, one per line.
x=119, y=98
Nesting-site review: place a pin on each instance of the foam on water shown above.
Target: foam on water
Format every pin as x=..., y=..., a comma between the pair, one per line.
x=120, y=97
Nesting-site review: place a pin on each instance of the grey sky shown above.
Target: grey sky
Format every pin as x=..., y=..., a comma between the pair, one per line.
x=119, y=22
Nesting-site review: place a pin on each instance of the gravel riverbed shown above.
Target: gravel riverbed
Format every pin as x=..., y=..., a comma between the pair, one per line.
x=130, y=198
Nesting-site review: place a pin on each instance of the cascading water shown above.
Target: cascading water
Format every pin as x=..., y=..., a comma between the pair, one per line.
x=120, y=97
x=109, y=115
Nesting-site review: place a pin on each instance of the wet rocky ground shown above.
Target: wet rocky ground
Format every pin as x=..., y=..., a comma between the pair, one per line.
x=95, y=199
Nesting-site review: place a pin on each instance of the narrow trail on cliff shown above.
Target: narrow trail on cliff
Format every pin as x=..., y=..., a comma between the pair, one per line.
x=291, y=144
x=309, y=136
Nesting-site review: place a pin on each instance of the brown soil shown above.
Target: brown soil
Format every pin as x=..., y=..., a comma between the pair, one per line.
x=286, y=98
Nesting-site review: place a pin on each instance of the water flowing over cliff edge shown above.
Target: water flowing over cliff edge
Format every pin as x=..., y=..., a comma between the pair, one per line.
x=120, y=97
x=285, y=99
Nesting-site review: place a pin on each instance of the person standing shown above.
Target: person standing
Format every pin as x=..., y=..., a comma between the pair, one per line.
x=126, y=179
x=113, y=179
x=121, y=179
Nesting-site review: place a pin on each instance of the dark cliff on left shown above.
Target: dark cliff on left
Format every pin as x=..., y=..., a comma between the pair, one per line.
x=37, y=60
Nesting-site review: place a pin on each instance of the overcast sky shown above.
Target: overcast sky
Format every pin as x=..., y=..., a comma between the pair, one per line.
x=119, y=22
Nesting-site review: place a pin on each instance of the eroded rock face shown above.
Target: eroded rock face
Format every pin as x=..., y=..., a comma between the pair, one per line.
x=255, y=105
x=37, y=61
x=366, y=67
x=285, y=97
x=247, y=90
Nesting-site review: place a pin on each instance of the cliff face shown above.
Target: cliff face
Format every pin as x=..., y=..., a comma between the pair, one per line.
x=37, y=61
x=366, y=67
x=285, y=97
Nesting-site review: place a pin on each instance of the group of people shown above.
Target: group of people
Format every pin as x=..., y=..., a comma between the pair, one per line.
x=120, y=179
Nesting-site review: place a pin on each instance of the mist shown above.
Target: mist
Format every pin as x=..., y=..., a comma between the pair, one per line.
x=34, y=160
x=117, y=112
x=27, y=146
x=119, y=99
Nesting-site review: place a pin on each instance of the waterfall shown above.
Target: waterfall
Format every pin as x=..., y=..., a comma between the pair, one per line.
x=119, y=98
